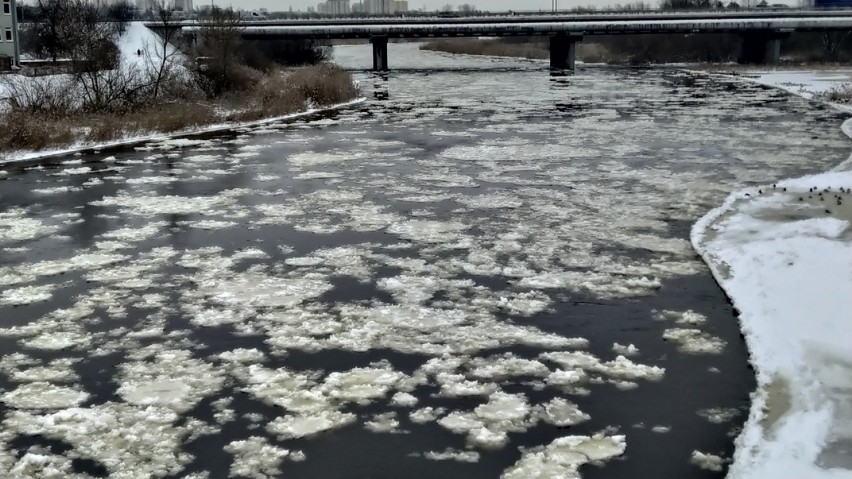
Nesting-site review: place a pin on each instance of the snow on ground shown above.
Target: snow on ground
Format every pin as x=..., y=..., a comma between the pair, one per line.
x=807, y=84
x=784, y=256
x=139, y=46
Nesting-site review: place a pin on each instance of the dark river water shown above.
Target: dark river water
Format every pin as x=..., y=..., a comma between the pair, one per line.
x=481, y=271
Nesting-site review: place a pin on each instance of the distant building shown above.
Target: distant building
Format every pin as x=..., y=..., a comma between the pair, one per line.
x=378, y=7
x=384, y=7
x=334, y=7
x=10, y=56
x=183, y=5
x=175, y=5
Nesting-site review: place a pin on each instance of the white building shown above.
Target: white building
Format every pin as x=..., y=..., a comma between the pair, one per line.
x=378, y=7
x=183, y=5
x=384, y=7
x=176, y=5
x=9, y=35
x=334, y=7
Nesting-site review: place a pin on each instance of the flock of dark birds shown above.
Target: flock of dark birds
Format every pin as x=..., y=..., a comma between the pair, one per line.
x=821, y=195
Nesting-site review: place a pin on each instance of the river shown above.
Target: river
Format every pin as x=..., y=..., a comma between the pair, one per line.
x=446, y=280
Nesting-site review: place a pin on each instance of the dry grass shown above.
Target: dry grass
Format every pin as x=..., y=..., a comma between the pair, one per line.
x=21, y=130
x=532, y=49
x=323, y=85
x=839, y=94
x=276, y=94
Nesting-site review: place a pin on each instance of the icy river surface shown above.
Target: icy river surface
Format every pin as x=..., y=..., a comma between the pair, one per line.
x=482, y=271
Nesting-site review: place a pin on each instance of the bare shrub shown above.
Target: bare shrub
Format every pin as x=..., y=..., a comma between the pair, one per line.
x=273, y=96
x=838, y=94
x=117, y=90
x=46, y=96
x=324, y=84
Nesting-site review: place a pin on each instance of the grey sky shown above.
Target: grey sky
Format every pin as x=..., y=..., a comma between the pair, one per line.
x=435, y=4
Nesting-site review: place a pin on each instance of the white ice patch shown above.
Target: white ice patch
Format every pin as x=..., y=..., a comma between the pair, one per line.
x=450, y=454
x=563, y=457
x=424, y=231
x=129, y=441
x=172, y=379
x=43, y=395
x=694, y=341
x=425, y=415
x=488, y=425
x=140, y=205
x=26, y=295
x=561, y=412
x=385, y=423
x=294, y=427
x=706, y=461
x=258, y=289
x=619, y=368
x=629, y=350
x=255, y=458
x=404, y=399
x=15, y=225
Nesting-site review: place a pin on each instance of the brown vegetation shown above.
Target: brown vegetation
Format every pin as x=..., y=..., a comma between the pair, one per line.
x=841, y=94
x=276, y=94
x=104, y=99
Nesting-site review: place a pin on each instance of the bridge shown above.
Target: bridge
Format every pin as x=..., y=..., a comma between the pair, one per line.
x=762, y=31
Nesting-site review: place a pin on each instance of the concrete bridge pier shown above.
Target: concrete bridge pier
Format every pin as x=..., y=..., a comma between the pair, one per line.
x=380, y=53
x=563, y=51
x=762, y=47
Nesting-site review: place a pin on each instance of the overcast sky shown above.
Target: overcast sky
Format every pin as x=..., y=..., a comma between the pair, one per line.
x=281, y=5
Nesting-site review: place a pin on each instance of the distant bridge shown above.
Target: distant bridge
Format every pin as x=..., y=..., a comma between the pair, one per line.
x=762, y=31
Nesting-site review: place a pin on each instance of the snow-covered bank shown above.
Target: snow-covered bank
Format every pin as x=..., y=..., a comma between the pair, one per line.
x=19, y=156
x=783, y=254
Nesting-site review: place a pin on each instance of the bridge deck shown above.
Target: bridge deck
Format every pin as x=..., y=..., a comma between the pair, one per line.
x=582, y=28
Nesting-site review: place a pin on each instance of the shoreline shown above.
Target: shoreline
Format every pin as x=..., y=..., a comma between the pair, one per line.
x=26, y=156
x=786, y=428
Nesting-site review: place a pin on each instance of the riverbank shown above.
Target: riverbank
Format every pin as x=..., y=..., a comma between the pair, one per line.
x=83, y=148
x=783, y=253
x=27, y=135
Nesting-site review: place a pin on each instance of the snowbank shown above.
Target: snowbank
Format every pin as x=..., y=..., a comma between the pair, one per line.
x=807, y=84
x=784, y=257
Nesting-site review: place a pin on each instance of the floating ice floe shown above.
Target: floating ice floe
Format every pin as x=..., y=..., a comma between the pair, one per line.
x=255, y=458
x=43, y=395
x=450, y=454
x=563, y=457
x=706, y=461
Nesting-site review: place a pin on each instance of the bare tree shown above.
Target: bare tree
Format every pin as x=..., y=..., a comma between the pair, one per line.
x=218, y=45
x=51, y=14
x=162, y=63
x=832, y=43
x=121, y=13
